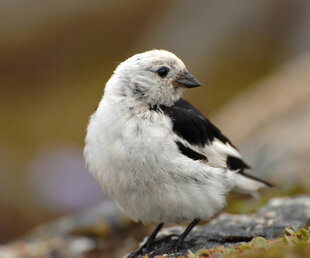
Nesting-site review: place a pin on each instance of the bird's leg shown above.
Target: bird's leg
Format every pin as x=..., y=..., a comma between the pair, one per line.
x=152, y=237
x=181, y=238
x=148, y=242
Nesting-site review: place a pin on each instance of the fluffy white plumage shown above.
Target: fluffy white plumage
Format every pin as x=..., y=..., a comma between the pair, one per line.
x=136, y=150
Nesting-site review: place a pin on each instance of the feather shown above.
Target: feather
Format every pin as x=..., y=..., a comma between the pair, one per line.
x=198, y=139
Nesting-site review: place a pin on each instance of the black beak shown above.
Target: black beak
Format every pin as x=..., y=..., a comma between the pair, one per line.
x=188, y=80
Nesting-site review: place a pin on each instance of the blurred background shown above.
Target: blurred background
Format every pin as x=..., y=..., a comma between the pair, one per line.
x=55, y=56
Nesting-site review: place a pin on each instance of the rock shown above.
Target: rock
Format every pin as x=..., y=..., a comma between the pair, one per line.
x=70, y=236
x=92, y=232
x=229, y=229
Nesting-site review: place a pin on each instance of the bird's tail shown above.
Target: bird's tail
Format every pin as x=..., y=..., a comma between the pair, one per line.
x=244, y=183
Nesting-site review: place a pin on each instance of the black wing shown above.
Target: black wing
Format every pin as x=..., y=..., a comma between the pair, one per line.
x=190, y=125
x=214, y=147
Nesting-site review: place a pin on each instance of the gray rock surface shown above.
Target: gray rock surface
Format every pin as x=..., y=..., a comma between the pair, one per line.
x=228, y=229
x=89, y=233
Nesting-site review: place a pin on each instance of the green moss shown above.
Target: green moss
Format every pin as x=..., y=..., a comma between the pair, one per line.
x=292, y=244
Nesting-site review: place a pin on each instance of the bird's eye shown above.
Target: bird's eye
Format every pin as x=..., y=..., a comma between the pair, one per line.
x=163, y=71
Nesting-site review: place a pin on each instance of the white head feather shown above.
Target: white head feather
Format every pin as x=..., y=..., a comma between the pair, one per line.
x=138, y=77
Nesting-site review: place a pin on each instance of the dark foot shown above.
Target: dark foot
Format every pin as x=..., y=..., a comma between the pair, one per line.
x=179, y=242
x=147, y=247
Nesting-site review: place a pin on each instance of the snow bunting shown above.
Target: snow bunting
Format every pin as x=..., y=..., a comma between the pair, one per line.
x=154, y=153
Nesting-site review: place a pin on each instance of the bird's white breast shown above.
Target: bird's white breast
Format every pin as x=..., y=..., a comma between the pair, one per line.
x=132, y=154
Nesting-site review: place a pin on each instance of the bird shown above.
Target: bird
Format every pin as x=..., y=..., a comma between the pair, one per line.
x=155, y=154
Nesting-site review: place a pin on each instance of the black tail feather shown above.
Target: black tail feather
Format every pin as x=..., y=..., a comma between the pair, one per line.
x=255, y=178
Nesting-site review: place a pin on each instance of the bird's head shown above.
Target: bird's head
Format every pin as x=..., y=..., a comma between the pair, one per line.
x=157, y=77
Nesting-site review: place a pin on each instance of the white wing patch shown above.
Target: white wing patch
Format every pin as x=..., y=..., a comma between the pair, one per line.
x=217, y=153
